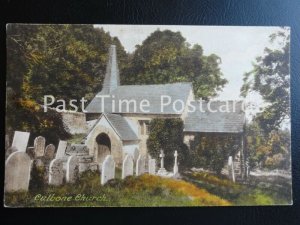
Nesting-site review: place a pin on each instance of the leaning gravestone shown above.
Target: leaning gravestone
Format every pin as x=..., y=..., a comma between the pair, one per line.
x=72, y=169
x=140, y=165
x=17, y=172
x=50, y=152
x=127, y=167
x=60, y=153
x=108, y=169
x=9, y=151
x=20, y=140
x=56, y=173
x=151, y=166
x=39, y=146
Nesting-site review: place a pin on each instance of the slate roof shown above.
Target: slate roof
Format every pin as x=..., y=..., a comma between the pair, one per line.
x=152, y=93
x=218, y=122
x=120, y=125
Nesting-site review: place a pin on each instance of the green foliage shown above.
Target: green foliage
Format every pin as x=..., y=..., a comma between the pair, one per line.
x=66, y=61
x=270, y=77
x=143, y=191
x=211, y=151
x=267, y=191
x=167, y=135
x=271, y=150
x=166, y=57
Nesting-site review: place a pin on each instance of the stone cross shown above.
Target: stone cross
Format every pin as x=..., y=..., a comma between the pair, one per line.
x=162, y=155
x=175, y=169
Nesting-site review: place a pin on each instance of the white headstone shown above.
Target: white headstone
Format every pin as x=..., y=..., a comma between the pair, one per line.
x=72, y=170
x=140, y=165
x=151, y=166
x=50, y=152
x=20, y=140
x=39, y=146
x=56, y=173
x=127, y=167
x=231, y=169
x=60, y=153
x=108, y=169
x=17, y=172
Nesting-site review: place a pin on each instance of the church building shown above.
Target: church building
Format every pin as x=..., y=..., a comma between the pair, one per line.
x=118, y=117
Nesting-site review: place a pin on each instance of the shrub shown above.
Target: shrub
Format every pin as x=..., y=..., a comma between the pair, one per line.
x=167, y=135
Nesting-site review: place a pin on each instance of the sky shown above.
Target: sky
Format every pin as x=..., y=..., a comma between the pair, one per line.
x=236, y=45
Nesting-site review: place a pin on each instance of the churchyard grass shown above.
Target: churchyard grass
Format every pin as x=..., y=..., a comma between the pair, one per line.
x=145, y=190
x=252, y=192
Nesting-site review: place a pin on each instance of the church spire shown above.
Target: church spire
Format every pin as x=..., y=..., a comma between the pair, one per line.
x=112, y=77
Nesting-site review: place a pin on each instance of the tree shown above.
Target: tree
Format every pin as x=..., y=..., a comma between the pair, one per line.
x=166, y=57
x=270, y=150
x=211, y=151
x=66, y=61
x=167, y=135
x=270, y=77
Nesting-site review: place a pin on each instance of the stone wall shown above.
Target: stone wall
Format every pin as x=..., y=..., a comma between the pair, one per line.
x=75, y=122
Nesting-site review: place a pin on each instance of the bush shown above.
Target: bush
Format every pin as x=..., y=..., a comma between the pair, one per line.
x=167, y=135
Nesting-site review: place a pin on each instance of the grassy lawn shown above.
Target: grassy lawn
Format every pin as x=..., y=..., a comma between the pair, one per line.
x=145, y=190
x=197, y=189
x=254, y=192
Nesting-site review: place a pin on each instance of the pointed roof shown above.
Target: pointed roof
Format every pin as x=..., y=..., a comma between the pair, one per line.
x=112, y=77
x=119, y=125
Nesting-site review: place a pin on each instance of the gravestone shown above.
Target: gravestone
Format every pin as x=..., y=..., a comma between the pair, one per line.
x=9, y=151
x=140, y=165
x=20, y=140
x=231, y=174
x=127, y=167
x=17, y=172
x=72, y=169
x=56, y=173
x=162, y=171
x=108, y=169
x=60, y=153
x=50, y=152
x=151, y=166
x=39, y=146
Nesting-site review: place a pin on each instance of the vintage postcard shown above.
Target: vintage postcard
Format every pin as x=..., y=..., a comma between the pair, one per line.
x=147, y=115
